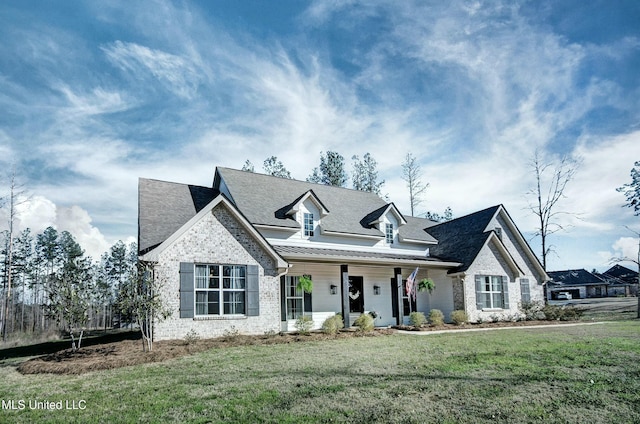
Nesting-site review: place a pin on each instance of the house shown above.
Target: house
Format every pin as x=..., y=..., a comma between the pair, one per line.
x=580, y=283
x=622, y=281
x=230, y=257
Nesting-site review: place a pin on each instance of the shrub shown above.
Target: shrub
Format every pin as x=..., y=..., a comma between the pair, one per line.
x=364, y=322
x=417, y=319
x=436, y=317
x=332, y=324
x=231, y=333
x=531, y=310
x=561, y=313
x=459, y=317
x=304, y=324
x=191, y=337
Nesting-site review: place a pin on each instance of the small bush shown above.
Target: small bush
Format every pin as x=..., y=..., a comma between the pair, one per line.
x=531, y=310
x=191, y=337
x=270, y=333
x=417, y=319
x=231, y=333
x=436, y=317
x=364, y=322
x=561, y=313
x=304, y=324
x=459, y=317
x=332, y=324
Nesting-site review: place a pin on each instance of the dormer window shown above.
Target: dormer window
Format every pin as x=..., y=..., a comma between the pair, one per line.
x=308, y=224
x=389, y=233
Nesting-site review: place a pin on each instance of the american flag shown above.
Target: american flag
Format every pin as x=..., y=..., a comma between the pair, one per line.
x=411, y=284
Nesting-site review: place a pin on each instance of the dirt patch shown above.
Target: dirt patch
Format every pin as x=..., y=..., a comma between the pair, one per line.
x=129, y=352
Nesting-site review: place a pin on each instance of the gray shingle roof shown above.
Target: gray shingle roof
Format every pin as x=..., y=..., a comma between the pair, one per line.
x=164, y=207
x=575, y=277
x=622, y=273
x=262, y=198
x=311, y=252
x=461, y=239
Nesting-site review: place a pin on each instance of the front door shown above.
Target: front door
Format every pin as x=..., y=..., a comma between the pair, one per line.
x=356, y=294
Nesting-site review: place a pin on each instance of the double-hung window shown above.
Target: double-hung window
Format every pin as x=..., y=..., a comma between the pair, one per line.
x=389, y=233
x=525, y=293
x=220, y=289
x=308, y=224
x=492, y=292
x=294, y=298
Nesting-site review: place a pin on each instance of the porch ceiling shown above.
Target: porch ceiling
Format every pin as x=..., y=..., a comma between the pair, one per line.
x=352, y=256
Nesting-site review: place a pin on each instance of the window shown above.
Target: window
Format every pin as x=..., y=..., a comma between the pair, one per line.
x=294, y=301
x=294, y=298
x=525, y=294
x=492, y=292
x=220, y=289
x=389, y=233
x=308, y=224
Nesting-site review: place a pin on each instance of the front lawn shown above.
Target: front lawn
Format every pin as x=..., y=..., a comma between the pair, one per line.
x=587, y=374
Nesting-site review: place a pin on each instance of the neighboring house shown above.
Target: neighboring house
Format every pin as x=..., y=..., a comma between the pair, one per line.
x=622, y=281
x=229, y=257
x=580, y=283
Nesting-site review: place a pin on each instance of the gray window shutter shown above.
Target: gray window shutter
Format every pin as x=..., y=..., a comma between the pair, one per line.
x=479, y=298
x=394, y=298
x=283, y=298
x=505, y=291
x=253, y=291
x=186, y=290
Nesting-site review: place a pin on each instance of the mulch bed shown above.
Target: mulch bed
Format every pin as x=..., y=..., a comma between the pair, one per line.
x=129, y=352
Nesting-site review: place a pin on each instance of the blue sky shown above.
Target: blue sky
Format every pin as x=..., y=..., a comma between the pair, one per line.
x=96, y=94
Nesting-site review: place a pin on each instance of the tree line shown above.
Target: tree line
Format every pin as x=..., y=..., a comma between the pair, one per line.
x=332, y=171
x=56, y=286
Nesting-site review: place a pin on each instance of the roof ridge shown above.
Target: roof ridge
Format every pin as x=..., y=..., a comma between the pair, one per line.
x=303, y=181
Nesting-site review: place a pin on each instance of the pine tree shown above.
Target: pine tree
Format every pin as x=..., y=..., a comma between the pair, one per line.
x=365, y=174
x=331, y=170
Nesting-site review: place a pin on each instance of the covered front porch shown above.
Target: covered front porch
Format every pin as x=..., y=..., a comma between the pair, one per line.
x=362, y=285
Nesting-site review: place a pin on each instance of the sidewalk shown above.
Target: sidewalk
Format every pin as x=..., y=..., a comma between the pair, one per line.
x=515, y=327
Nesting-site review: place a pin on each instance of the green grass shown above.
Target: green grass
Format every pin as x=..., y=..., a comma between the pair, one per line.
x=564, y=375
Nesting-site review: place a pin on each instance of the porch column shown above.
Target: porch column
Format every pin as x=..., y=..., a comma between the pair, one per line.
x=400, y=304
x=344, y=291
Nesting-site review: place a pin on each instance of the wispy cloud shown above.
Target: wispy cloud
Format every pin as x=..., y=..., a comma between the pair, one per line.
x=176, y=73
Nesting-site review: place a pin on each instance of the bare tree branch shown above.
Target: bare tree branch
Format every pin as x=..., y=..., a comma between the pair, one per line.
x=548, y=192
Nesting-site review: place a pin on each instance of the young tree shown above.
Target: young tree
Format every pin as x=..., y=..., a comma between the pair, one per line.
x=365, y=174
x=632, y=193
x=412, y=174
x=272, y=166
x=331, y=170
x=551, y=182
x=142, y=296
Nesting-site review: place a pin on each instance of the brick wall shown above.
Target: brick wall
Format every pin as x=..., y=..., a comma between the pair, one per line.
x=218, y=238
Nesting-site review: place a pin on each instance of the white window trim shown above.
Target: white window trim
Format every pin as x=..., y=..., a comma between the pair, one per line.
x=491, y=292
x=306, y=232
x=220, y=290
x=387, y=226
